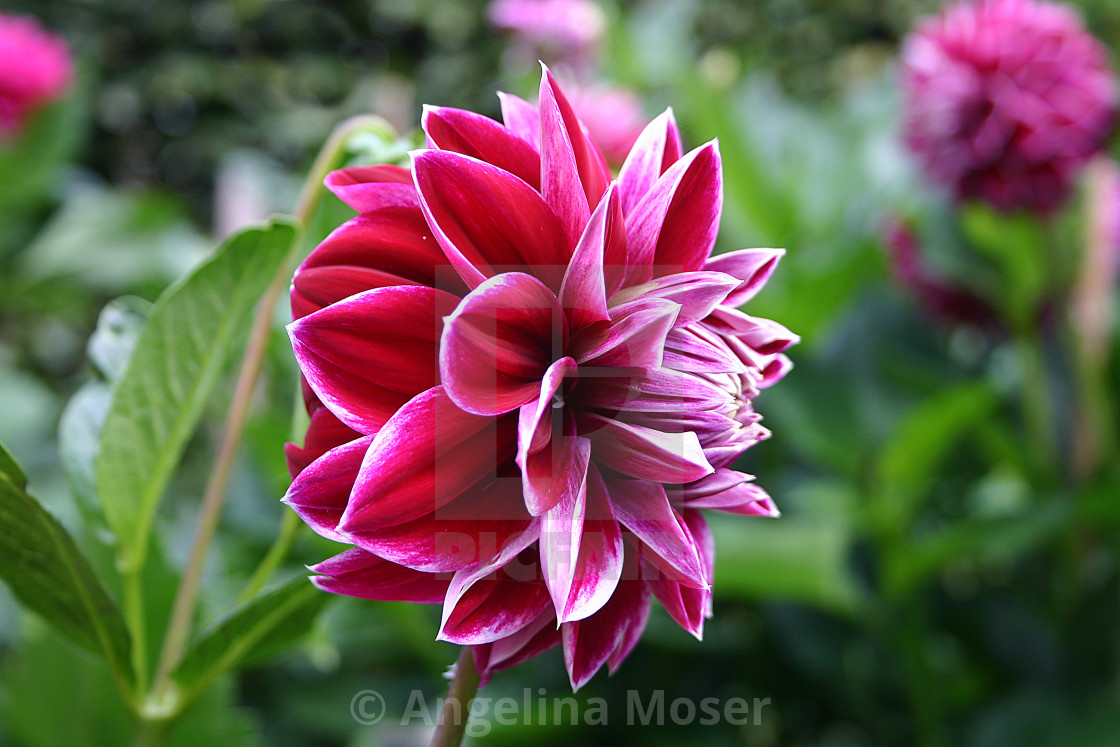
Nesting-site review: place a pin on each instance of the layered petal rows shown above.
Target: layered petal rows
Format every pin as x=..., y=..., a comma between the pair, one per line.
x=526, y=377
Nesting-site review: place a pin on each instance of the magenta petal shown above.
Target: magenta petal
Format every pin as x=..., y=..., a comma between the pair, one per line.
x=320, y=493
x=367, y=188
x=496, y=598
x=469, y=530
x=357, y=573
x=392, y=246
x=656, y=149
x=674, y=227
x=522, y=118
x=645, y=453
x=582, y=579
x=574, y=173
x=428, y=453
x=717, y=482
x=643, y=508
x=499, y=342
x=763, y=335
x=324, y=432
x=487, y=220
x=657, y=391
x=482, y=138
x=534, y=425
x=555, y=471
x=752, y=267
x=698, y=293
x=367, y=355
x=533, y=639
x=610, y=634
x=744, y=498
x=583, y=294
x=698, y=350
x=635, y=338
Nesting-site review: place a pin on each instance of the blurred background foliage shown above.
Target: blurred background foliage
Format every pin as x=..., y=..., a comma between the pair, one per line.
x=928, y=582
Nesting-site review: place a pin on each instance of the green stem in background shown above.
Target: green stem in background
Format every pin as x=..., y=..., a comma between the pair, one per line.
x=178, y=630
x=454, y=714
x=276, y=554
x=1037, y=407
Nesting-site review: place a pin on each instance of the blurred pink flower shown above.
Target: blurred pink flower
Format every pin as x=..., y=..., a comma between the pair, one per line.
x=561, y=32
x=526, y=378
x=1006, y=100
x=613, y=117
x=35, y=69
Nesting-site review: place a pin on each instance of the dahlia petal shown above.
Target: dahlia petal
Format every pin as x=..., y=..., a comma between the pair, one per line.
x=645, y=453
x=480, y=137
x=324, y=432
x=499, y=342
x=557, y=469
x=752, y=267
x=357, y=573
x=533, y=639
x=496, y=598
x=643, y=508
x=764, y=335
x=367, y=355
x=367, y=188
x=674, y=227
x=745, y=498
x=698, y=293
x=656, y=149
x=610, y=634
x=635, y=338
x=392, y=246
x=662, y=390
x=697, y=349
x=522, y=118
x=428, y=453
x=319, y=493
x=574, y=173
x=774, y=371
x=583, y=294
x=717, y=482
x=689, y=606
x=561, y=535
x=468, y=530
x=487, y=220
x=534, y=425
x=594, y=567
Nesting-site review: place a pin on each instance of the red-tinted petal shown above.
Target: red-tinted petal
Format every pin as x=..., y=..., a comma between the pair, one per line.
x=635, y=338
x=645, y=453
x=752, y=267
x=698, y=293
x=499, y=342
x=428, y=453
x=522, y=118
x=367, y=188
x=643, y=508
x=320, y=493
x=324, y=432
x=366, y=355
x=487, y=220
x=583, y=294
x=357, y=573
x=482, y=138
x=763, y=335
x=656, y=149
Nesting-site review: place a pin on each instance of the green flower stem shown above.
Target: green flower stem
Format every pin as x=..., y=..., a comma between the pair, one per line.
x=454, y=714
x=1037, y=410
x=289, y=526
x=178, y=630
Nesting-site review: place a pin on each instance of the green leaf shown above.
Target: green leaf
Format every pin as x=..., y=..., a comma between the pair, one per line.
x=10, y=469
x=260, y=627
x=911, y=456
x=787, y=559
x=118, y=327
x=174, y=368
x=46, y=571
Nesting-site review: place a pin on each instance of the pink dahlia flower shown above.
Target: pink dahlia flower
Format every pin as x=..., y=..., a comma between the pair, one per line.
x=35, y=69
x=562, y=32
x=1006, y=100
x=526, y=378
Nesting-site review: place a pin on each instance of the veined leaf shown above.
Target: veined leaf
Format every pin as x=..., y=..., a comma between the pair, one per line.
x=172, y=372
x=46, y=571
x=259, y=627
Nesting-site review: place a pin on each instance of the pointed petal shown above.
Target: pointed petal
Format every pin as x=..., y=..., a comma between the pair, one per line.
x=534, y=425
x=744, y=498
x=598, y=563
x=763, y=335
x=561, y=534
x=495, y=599
x=487, y=220
x=531, y=640
x=583, y=294
x=320, y=493
x=367, y=188
x=656, y=149
x=697, y=350
x=674, y=227
x=357, y=573
x=428, y=453
x=635, y=338
x=752, y=267
x=645, y=453
x=643, y=508
x=698, y=293
x=324, y=432
x=366, y=355
x=522, y=118
x=499, y=342
x=481, y=137
x=717, y=482
x=574, y=173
